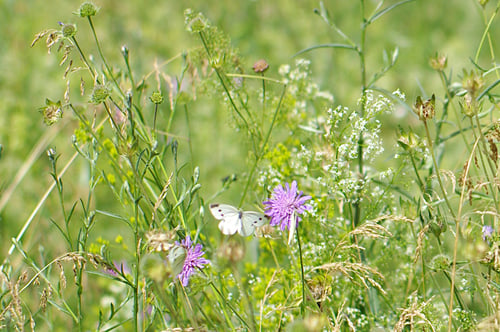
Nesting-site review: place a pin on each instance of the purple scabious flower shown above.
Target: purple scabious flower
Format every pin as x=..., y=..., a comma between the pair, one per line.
x=487, y=232
x=193, y=259
x=286, y=203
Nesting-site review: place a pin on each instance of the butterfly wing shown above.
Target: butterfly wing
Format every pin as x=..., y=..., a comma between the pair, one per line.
x=176, y=258
x=229, y=216
x=249, y=221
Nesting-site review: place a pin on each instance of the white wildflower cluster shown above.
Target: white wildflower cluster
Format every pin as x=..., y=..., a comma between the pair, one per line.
x=345, y=130
x=301, y=87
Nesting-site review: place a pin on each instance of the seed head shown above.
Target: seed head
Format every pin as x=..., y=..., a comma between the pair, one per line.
x=438, y=62
x=231, y=251
x=425, y=110
x=52, y=112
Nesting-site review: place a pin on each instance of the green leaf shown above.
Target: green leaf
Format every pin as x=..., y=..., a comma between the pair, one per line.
x=345, y=46
x=385, y=10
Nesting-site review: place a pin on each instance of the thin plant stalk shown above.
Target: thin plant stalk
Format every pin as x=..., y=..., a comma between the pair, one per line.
x=260, y=154
x=303, y=302
x=438, y=175
x=457, y=232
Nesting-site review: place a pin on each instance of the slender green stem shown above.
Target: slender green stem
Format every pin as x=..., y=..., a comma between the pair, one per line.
x=457, y=117
x=263, y=148
x=303, y=303
x=486, y=33
x=243, y=289
x=263, y=101
x=436, y=168
x=202, y=36
x=108, y=68
x=137, y=267
x=492, y=167
x=224, y=300
x=154, y=119
x=457, y=233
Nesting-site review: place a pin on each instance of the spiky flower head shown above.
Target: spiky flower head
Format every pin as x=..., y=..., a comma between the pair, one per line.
x=99, y=94
x=156, y=98
x=195, y=22
x=67, y=30
x=87, y=9
x=285, y=206
x=192, y=261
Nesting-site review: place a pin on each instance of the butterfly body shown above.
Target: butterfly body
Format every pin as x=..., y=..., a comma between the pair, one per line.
x=234, y=220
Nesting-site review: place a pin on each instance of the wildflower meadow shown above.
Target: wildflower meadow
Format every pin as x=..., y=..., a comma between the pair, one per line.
x=250, y=166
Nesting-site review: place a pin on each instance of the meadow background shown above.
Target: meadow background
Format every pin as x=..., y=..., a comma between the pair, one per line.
x=154, y=32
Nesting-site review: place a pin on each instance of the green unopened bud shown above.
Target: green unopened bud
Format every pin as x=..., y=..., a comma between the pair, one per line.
x=156, y=98
x=425, y=109
x=483, y=2
x=408, y=141
x=469, y=105
x=99, y=94
x=194, y=22
x=52, y=154
x=440, y=263
x=87, y=9
x=52, y=112
x=438, y=226
x=68, y=30
x=472, y=82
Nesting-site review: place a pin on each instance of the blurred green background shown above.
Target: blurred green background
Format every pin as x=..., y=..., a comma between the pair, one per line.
x=154, y=31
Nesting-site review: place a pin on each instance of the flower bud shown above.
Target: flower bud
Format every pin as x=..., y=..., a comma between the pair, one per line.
x=99, y=94
x=440, y=262
x=483, y=2
x=87, y=9
x=468, y=105
x=260, y=66
x=438, y=62
x=68, y=30
x=194, y=22
x=472, y=82
x=156, y=98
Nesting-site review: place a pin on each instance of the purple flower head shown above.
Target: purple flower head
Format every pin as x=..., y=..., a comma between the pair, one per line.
x=487, y=232
x=193, y=259
x=286, y=204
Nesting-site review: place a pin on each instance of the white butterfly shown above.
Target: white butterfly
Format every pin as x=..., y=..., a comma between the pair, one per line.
x=233, y=220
